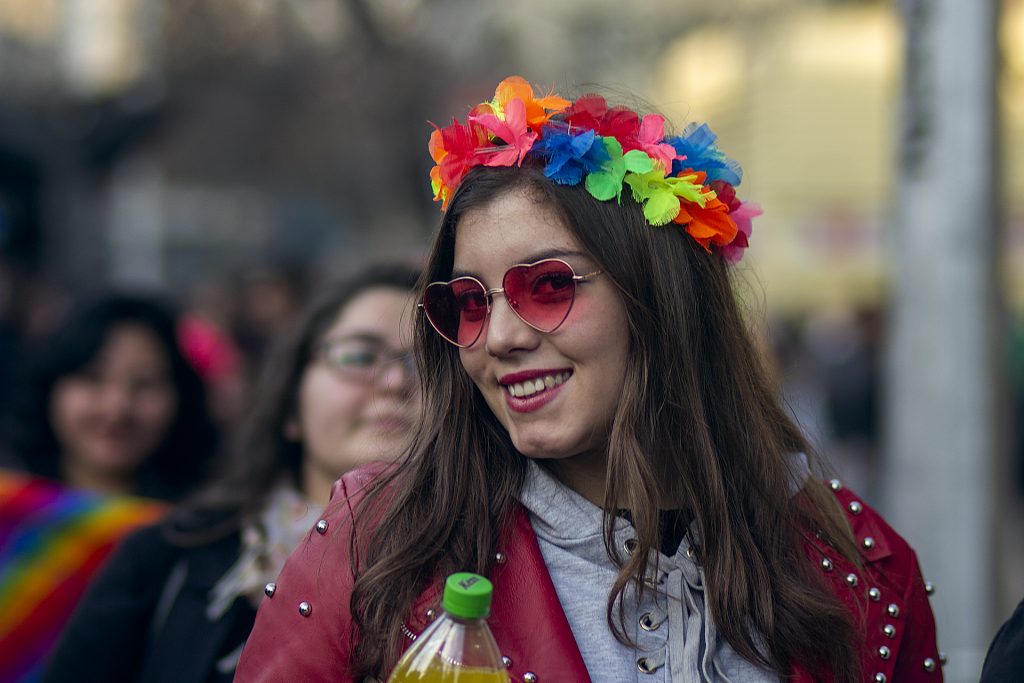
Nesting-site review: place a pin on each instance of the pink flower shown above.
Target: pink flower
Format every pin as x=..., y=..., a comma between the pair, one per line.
x=650, y=139
x=743, y=217
x=513, y=131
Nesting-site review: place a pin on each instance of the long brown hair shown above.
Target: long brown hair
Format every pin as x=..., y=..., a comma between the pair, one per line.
x=699, y=426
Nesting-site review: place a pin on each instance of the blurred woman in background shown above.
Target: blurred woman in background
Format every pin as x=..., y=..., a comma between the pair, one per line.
x=111, y=405
x=181, y=596
x=109, y=422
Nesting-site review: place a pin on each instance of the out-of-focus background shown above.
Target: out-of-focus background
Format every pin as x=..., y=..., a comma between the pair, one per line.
x=236, y=153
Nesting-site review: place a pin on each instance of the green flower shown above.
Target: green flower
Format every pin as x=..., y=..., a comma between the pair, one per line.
x=660, y=195
x=607, y=183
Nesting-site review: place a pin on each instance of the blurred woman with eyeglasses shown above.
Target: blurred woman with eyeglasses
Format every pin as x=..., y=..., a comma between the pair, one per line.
x=338, y=391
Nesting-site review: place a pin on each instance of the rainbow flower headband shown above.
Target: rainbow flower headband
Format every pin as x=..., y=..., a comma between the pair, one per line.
x=682, y=179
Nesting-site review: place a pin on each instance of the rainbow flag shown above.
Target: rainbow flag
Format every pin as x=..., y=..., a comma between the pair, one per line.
x=52, y=541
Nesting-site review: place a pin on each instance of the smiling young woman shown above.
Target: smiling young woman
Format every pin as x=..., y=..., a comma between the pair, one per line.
x=600, y=437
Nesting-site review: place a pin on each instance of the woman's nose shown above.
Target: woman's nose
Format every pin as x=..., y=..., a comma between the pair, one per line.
x=116, y=398
x=398, y=375
x=506, y=332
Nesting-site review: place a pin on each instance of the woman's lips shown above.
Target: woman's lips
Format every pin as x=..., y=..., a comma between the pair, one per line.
x=528, y=391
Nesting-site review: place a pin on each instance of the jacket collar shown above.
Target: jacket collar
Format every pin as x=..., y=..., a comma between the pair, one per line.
x=527, y=617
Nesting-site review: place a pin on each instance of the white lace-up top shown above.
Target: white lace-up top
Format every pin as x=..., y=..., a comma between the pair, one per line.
x=676, y=638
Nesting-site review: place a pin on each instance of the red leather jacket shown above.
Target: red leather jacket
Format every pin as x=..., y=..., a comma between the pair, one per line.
x=302, y=632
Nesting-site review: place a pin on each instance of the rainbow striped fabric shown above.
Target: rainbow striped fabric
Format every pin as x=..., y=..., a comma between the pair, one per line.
x=52, y=541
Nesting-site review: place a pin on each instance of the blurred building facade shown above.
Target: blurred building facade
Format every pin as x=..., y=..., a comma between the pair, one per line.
x=154, y=136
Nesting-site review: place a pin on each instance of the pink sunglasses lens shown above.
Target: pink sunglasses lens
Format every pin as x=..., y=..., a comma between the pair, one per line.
x=456, y=309
x=542, y=293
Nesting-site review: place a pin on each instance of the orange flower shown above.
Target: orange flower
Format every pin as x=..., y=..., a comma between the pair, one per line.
x=538, y=109
x=436, y=146
x=710, y=224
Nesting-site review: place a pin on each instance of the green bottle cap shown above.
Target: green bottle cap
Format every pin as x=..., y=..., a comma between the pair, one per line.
x=467, y=596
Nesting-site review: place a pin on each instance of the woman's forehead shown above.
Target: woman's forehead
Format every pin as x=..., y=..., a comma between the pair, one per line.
x=513, y=228
x=374, y=309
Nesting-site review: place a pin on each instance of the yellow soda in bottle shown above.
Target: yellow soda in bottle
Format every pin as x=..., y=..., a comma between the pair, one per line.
x=458, y=647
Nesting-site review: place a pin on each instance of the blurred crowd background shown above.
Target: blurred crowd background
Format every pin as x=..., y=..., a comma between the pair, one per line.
x=234, y=155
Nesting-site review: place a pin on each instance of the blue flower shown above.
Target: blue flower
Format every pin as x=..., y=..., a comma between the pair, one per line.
x=697, y=144
x=570, y=157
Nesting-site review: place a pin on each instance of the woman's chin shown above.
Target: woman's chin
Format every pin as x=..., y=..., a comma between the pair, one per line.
x=542, y=450
x=114, y=461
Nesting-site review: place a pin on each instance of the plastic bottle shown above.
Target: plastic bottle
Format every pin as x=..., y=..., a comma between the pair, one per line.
x=458, y=646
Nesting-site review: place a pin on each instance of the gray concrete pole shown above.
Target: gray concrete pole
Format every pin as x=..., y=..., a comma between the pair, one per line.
x=942, y=434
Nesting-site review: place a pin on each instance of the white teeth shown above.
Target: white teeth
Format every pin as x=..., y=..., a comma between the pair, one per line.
x=532, y=386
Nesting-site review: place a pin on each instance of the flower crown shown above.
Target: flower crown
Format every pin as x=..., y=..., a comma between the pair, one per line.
x=682, y=179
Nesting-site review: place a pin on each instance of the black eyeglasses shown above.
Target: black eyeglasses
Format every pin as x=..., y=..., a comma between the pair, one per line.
x=362, y=356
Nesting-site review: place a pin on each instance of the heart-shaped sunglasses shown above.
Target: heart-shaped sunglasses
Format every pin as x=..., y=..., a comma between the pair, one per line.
x=540, y=293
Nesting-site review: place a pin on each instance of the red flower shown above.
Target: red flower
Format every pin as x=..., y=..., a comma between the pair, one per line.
x=591, y=112
x=455, y=149
x=726, y=194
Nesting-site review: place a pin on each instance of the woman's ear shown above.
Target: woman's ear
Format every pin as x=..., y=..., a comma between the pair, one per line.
x=292, y=430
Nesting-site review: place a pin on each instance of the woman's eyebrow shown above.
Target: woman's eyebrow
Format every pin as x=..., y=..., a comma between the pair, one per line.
x=368, y=337
x=529, y=258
